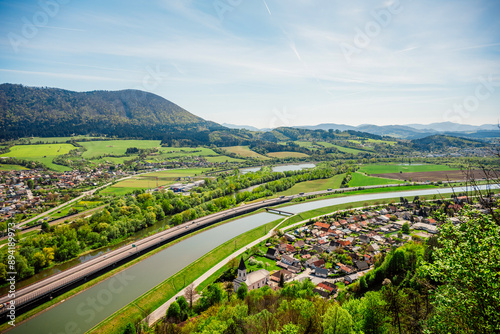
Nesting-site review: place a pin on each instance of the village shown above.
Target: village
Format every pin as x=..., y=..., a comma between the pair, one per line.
x=26, y=192
x=338, y=249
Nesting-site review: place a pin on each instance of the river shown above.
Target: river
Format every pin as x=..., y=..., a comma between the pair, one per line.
x=83, y=311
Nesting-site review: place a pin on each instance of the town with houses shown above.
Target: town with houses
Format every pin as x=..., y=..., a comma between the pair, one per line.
x=25, y=192
x=344, y=246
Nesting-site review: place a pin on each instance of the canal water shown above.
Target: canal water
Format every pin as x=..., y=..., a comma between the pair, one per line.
x=83, y=311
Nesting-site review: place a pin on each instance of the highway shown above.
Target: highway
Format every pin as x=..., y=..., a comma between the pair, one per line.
x=80, y=272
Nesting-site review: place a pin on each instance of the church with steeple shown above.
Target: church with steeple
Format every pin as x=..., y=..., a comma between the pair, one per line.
x=253, y=280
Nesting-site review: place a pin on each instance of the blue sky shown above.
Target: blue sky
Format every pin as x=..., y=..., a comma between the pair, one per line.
x=268, y=63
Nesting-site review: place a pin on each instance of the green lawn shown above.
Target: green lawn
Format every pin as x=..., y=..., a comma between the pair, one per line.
x=396, y=168
x=43, y=153
x=272, y=264
x=314, y=185
x=359, y=180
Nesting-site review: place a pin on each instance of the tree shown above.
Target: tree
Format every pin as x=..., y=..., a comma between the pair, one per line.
x=129, y=329
x=229, y=287
x=242, y=291
x=174, y=312
x=406, y=228
x=39, y=261
x=466, y=266
x=337, y=321
x=282, y=281
x=189, y=294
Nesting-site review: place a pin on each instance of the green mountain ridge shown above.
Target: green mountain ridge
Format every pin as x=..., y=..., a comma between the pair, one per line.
x=30, y=111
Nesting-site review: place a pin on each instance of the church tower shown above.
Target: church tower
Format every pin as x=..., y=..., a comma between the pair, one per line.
x=242, y=271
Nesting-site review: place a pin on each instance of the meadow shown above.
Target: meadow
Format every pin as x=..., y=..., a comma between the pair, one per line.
x=114, y=147
x=314, y=185
x=405, y=168
x=360, y=180
x=43, y=153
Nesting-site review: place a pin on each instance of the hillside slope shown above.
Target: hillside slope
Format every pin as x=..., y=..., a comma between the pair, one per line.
x=45, y=112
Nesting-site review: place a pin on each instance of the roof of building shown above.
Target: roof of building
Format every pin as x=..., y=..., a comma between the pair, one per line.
x=256, y=276
x=242, y=265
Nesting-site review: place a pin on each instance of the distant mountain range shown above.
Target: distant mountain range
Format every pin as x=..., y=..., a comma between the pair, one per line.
x=409, y=131
x=52, y=112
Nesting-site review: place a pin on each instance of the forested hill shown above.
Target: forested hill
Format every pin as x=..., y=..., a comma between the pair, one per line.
x=45, y=112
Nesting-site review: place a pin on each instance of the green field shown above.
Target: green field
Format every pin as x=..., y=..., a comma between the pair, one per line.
x=360, y=180
x=347, y=149
x=314, y=185
x=245, y=152
x=12, y=167
x=286, y=154
x=151, y=180
x=397, y=168
x=43, y=153
x=114, y=147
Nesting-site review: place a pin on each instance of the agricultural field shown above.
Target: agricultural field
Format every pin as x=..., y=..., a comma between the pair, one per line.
x=151, y=180
x=12, y=167
x=360, y=180
x=347, y=149
x=314, y=185
x=114, y=147
x=167, y=153
x=244, y=152
x=444, y=175
x=286, y=154
x=43, y=153
x=402, y=168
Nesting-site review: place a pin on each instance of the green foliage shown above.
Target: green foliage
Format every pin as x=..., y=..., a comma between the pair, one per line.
x=129, y=329
x=337, y=321
x=466, y=268
x=242, y=291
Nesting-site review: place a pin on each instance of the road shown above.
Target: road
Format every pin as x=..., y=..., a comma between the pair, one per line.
x=86, y=193
x=81, y=271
